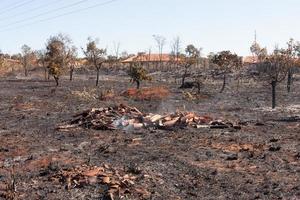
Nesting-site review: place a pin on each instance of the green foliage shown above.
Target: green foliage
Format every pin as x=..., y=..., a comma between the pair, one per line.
x=259, y=52
x=226, y=61
x=138, y=74
x=59, y=53
x=190, y=58
x=192, y=51
x=55, y=56
x=26, y=49
x=55, y=69
x=94, y=54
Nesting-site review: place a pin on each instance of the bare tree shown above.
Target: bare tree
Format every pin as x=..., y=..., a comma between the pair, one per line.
x=273, y=69
x=199, y=56
x=124, y=55
x=160, y=42
x=111, y=60
x=176, y=49
x=27, y=58
x=116, y=47
x=71, y=60
x=148, y=57
x=41, y=59
x=292, y=53
x=95, y=55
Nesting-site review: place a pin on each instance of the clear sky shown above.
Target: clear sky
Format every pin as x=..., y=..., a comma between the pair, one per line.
x=214, y=25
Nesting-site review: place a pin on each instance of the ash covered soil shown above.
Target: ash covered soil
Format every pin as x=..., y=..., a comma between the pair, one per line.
x=37, y=161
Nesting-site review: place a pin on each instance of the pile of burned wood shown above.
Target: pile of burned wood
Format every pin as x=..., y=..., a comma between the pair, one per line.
x=112, y=182
x=126, y=117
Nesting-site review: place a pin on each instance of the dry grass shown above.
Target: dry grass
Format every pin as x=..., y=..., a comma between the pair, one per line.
x=86, y=94
x=151, y=93
x=107, y=95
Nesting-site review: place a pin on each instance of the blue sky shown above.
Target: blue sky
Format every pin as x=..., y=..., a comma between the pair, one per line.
x=214, y=25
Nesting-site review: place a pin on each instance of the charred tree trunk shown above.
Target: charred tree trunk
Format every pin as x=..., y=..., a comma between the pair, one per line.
x=56, y=78
x=71, y=73
x=198, y=84
x=45, y=73
x=183, y=80
x=138, y=83
x=98, y=73
x=184, y=77
x=25, y=70
x=224, y=84
x=289, y=80
x=274, y=83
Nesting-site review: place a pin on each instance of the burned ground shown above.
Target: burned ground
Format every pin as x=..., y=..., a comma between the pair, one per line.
x=37, y=161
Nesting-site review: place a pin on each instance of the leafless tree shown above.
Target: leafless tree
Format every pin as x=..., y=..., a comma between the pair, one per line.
x=116, y=49
x=111, y=61
x=72, y=58
x=41, y=59
x=273, y=69
x=293, y=54
x=176, y=49
x=114, y=58
x=149, y=57
x=27, y=58
x=124, y=55
x=160, y=42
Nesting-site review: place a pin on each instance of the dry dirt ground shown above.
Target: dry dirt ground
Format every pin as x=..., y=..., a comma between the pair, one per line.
x=260, y=161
